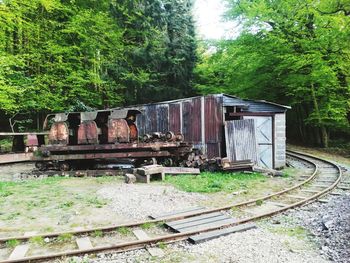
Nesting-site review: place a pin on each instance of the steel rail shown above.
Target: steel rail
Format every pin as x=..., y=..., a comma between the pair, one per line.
x=166, y=219
x=179, y=236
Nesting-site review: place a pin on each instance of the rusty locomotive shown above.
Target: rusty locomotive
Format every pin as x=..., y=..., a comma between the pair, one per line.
x=90, y=140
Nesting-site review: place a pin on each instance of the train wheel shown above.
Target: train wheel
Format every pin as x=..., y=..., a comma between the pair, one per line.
x=41, y=166
x=64, y=166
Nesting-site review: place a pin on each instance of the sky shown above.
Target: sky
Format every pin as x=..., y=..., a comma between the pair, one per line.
x=210, y=24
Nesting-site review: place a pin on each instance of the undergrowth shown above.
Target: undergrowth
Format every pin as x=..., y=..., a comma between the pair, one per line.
x=215, y=182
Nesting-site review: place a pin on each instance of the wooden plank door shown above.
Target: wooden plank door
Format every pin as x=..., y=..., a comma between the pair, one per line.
x=241, y=140
x=264, y=139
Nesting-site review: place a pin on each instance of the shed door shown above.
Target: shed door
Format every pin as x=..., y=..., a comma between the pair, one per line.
x=240, y=140
x=264, y=139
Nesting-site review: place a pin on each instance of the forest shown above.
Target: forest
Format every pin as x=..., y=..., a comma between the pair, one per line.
x=65, y=55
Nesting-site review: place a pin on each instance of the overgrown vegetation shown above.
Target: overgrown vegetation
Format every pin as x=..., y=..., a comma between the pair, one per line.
x=215, y=182
x=78, y=55
x=290, y=52
x=59, y=198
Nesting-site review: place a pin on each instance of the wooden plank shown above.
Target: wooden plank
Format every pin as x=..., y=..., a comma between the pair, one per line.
x=276, y=204
x=336, y=193
x=322, y=201
x=325, y=181
x=179, y=212
x=84, y=243
x=218, y=223
x=310, y=191
x=30, y=233
x=221, y=232
x=296, y=196
x=320, y=185
x=181, y=170
x=19, y=252
x=154, y=251
x=140, y=234
x=193, y=219
x=203, y=221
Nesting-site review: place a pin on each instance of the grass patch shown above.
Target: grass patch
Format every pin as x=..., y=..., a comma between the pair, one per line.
x=67, y=204
x=65, y=237
x=297, y=232
x=161, y=245
x=147, y=225
x=37, y=240
x=124, y=231
x=94, y=201
x=97, y=233
x=215, y=182
x=259, y=202
x=12, y=243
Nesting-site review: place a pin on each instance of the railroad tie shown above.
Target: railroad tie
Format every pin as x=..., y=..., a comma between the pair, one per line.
x=343, y=187
x=154, y=251
x=296, y=196
x=84, y=243
x=19, y=252
x=277, y=204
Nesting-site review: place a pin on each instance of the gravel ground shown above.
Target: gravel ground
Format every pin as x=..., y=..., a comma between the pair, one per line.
x=138, y=201
x=258, y=246
x=330, y=225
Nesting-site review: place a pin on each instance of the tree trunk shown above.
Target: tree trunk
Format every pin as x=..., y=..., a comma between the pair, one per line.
x=324, y=134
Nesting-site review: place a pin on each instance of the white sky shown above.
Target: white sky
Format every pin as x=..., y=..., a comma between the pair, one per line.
x=210, y=24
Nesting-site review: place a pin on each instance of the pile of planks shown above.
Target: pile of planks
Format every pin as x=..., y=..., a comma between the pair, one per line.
x=156, y=172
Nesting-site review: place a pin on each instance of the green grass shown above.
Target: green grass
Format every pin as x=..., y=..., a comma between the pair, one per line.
x=37, y=240
x=147, y=225
x=12, y=243
x=161, y=245
x=97, y=233
x=124, y=231
x=297, y=232
x=215, y=182
x=65, y=237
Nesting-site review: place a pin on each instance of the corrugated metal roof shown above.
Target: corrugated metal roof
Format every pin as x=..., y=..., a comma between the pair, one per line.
x=229, y=100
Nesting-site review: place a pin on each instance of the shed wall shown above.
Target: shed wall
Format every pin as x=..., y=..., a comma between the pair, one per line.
x=200, y=120
x=280, y=140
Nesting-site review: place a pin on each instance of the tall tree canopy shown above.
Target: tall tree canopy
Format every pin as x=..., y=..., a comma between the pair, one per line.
x=55, y=54
x=292, y=52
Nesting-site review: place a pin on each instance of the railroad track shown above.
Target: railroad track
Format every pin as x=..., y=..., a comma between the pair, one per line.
x=318, y=181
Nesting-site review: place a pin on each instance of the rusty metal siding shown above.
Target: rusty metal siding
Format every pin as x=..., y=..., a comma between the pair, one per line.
x=140, y=123
x=213, y=125
x=163, y=118
x=151, y=118
x=241, y=140
x=174, y=117
x=191, y=120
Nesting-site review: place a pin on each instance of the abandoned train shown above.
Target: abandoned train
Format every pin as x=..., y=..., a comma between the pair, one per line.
x=91, y=140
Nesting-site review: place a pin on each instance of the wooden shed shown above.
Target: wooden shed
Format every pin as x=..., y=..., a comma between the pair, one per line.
x=223, y=126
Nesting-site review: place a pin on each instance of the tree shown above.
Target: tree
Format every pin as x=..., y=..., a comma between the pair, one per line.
x=290, y=52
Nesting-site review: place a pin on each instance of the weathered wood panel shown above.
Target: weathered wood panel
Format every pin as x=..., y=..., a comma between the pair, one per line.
x=213, y=126
x=174, y=118
x=163, y=118
x=191, y=120
x=241, y=140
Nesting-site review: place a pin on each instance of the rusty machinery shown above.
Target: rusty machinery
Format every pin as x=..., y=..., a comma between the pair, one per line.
x=87, y=139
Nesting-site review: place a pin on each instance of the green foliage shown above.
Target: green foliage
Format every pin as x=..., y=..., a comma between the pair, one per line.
x=80, y=55
x=290, y=52
x=214, y=182
x=124, y=231
x=147, y=225
x=65, y=237
x=97, y=233
x=37, y=240
x=12, y=243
